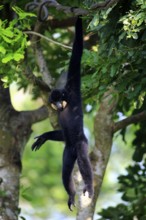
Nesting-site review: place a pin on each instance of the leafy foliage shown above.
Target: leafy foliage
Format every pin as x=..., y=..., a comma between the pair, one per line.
x=134, y=21
x=120, y=61
x=13, y=45
x=134, y=195
x=121, y=58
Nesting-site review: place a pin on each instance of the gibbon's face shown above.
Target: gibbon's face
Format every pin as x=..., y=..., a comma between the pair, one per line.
x=58, y=99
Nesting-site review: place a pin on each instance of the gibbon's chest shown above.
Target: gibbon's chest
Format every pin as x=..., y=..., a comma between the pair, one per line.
x=71, y=123
x=71, y=117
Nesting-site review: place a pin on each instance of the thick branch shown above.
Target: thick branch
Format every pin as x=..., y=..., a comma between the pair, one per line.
x=130, y=120
x=35, y=81
x=35, y=115
x=61, y=8
x=79, y=11
x=66, y=9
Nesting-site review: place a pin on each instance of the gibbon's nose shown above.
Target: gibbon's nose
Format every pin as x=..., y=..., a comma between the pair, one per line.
x=59, y=105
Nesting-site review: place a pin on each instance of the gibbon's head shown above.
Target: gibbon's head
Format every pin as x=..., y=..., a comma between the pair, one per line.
x=58, y=99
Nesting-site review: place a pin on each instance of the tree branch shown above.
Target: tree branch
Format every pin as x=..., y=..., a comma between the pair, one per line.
x=35, y=81
x=35, y=115
x=104, y=5
x=47, y=39
x=46, y=76
x=78, y=11
x=66, y=9
x=130, y=120
x=56, y=23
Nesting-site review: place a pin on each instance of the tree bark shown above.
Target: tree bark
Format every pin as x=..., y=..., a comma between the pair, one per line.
x=103, y=128
x=15, y=129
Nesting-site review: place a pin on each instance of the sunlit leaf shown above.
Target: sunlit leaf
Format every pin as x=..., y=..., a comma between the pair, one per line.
x=18, y=56
x=7, y=58
x=2, y=50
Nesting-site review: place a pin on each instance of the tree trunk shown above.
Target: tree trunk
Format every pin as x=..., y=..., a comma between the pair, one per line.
x=103, y=126
x=15, y=129
x=14, y=135
x=9, y=181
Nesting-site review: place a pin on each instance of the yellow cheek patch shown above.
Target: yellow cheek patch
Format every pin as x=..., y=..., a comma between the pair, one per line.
x=54, y=106
x=59, y=105
x=64, y=104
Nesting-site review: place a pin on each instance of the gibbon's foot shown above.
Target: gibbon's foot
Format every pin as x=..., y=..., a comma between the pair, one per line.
x=88, y=189
x=71, y=202
x=39, y=142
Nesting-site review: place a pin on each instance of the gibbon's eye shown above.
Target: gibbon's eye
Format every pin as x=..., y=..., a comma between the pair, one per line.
x=54, y=106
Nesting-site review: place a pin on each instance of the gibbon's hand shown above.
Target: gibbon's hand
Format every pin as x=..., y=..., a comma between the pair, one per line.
x=39, y=142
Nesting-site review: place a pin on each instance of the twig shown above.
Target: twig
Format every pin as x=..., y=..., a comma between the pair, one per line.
x=48, y=39
x=130, y=120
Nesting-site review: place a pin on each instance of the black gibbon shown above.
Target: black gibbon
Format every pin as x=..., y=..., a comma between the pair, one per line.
x=68, y=104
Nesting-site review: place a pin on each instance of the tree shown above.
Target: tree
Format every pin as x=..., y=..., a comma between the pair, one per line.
x=113, y=79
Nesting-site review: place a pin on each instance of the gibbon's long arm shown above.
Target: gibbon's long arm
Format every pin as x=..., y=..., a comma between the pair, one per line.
x=51, y=135
x=73, y=78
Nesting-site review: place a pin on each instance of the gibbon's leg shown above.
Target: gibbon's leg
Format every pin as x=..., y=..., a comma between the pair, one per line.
x=85, y=167
x=68, y=163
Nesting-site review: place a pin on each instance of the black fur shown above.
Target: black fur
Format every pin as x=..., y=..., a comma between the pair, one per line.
x=71, y=122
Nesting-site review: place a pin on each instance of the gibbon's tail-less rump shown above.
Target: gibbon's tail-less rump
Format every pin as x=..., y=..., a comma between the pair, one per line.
x=68, y=104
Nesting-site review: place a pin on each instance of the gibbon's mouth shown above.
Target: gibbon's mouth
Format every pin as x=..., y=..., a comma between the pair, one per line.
x=59, y=106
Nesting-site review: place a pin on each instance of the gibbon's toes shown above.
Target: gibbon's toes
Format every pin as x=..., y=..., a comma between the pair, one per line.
x=88, y=190
x=71, y=203
x=71, y=207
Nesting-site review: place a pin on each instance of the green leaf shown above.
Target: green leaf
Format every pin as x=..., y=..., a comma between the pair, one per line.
x=7, y=32
x=7, y=58
x=113, y=70
x=1, y=7
x=2, y=50
x=22, y=14
x=7, y=39
x=18, y=56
